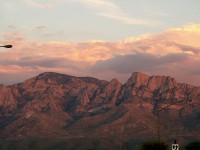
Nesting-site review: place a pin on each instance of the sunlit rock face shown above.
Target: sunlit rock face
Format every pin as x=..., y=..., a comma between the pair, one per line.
x=53, y=104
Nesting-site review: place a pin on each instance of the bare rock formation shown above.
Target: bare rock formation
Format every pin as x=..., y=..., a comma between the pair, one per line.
x=53, y=104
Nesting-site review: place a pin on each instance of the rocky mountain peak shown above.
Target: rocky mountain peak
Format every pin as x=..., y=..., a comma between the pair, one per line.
x=139, y=78
x=52, y=75
x=156, y=82
x=115, y=82
x=152, y=82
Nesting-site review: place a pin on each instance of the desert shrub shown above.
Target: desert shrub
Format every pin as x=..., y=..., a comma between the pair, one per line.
x=1, y=147
x=38, y=148
x=154, y=145
x=193, y=146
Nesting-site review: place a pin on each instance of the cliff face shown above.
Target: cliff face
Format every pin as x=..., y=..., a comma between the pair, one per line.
x=53, y=104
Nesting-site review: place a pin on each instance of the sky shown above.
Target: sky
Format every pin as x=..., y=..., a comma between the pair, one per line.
x=100, y=38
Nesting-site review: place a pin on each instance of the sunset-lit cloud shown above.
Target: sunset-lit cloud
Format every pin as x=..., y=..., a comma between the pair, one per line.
x=190, y=28
x=175, y=52
x=171, y=53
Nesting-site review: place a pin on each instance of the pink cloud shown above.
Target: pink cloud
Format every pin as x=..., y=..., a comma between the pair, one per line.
x=174, y=52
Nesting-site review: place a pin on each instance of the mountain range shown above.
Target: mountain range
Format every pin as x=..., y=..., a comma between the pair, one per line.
x=53, y=105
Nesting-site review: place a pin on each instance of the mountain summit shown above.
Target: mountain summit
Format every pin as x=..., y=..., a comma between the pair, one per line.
x=152, y=82
x=58, y=105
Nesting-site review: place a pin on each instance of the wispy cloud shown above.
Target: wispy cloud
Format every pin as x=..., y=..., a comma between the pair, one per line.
x=109, y=9
x=34, y=3
x=128, y=20
x=56, y=34
x=39, y=28
x=99, y=3
x=11, y=27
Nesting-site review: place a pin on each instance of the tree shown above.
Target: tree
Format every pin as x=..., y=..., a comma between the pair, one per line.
x=193, y=146
x=154, y=145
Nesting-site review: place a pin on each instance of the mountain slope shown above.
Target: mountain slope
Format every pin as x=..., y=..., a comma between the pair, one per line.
x=63, y=106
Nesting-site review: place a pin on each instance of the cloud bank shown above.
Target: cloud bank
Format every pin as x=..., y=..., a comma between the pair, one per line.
x=175, y=52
